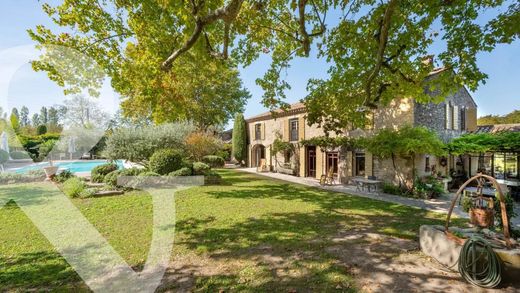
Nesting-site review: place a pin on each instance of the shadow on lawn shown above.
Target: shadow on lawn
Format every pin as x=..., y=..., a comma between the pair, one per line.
x=38, y=270
x=318, y=250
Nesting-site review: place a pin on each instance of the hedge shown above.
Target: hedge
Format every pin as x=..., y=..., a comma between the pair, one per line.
x=214, y=161
x=166, y=161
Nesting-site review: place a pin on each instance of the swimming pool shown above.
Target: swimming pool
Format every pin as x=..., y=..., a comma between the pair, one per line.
x=73, y=166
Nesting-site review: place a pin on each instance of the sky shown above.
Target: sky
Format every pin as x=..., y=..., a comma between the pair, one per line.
x=500, y=94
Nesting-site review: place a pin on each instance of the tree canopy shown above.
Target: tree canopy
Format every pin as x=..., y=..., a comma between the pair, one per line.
x=485, y=142
x=510, y=118
x=153, y=50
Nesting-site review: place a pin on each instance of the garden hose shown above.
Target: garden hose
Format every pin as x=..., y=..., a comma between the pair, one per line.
x=478, y=263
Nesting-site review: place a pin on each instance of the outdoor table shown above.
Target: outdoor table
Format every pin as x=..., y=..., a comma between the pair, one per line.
x=369, y=183
x=489, y=192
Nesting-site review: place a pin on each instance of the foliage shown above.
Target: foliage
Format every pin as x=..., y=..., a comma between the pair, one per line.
x=138, y=144
x=201, y=144
x=149, y=174
x=63, y=176
x=510, y=210
x=45, y=148
x=4, y=157
x=280, y=146
x=87, y=192
x=111, y=178
x=164, y=55
x=214, y=161
x=166, y=161
x=225, y=152
x=392, y=189
x=184, y=171
x=41, y=129
x=85, y=112
x=428, y=187
x=510, y=118
x=405, y=142
x=73, y=187
x=485, y=142
x=200, y=168
x=17, y=155
x=98, y=173
x=239, y=140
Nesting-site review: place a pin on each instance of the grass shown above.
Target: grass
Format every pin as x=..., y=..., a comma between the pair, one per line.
x=248, y=234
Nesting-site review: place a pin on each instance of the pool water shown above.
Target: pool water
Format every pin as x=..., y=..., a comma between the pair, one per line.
x=73, y=166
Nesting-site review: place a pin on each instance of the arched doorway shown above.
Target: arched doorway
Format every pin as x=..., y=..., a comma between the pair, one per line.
x=257, y=154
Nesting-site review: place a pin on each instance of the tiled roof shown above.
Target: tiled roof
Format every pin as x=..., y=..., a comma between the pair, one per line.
x=498, y=128
x=293, y=109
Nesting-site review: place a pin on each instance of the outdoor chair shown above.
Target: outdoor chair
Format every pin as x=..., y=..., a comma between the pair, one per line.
x=262, y=167
x=328, y=179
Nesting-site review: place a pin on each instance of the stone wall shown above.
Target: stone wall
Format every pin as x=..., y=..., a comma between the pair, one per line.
x=433, y=115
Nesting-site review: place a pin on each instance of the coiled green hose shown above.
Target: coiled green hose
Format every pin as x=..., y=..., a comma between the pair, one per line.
x=479, y=264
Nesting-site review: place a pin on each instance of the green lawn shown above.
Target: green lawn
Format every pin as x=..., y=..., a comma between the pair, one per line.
x=248, y=234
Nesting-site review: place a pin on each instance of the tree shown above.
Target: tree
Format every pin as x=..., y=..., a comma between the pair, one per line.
x=35, y=120
x=81, y=111
x=53, y=115
x=511, y=118
x=15, y=123
x=44, y=116
x=239, y=139
x=24, y=116
x=201, y=144
x=376, y=48
x=138, y=144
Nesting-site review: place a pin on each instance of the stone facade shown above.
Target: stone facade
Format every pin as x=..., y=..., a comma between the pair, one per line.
x=398, y=113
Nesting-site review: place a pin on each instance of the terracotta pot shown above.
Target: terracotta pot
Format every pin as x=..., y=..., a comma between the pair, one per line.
x=50, y=171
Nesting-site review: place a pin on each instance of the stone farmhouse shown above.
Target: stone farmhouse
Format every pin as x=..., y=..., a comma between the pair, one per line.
x=451, y=118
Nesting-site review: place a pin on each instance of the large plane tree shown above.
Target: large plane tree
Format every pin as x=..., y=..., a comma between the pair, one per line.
x=154, y=49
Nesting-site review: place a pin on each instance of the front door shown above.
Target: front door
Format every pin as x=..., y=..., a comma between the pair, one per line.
x=311, y=161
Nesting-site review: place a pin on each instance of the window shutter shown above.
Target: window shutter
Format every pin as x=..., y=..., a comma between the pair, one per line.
x=447, y=116
x=262, y=131
x=456, y=114
x=301, y=128
x=286, y=130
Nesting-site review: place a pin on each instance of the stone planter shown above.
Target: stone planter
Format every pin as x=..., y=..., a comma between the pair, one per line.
x=50, y=171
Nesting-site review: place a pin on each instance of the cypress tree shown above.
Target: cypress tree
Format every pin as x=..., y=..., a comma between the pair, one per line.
x=239, y=139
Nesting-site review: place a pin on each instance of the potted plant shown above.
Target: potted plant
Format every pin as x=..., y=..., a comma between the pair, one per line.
x=44, y=151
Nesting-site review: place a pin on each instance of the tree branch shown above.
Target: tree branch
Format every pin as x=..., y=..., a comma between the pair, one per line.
x=383, y=39
x=227, y=13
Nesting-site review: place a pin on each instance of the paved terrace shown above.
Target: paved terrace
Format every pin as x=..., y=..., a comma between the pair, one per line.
x=439, y=205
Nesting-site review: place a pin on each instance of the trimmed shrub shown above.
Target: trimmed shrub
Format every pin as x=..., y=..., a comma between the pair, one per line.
x=63, y=176
x=4, y=157
x=111, y=178
x=184, y=171
x=200, y=168
x=73, y=187
x=41, y=129
x=98, y=173
x=212, y=178
x=166, y=161
x=214, y=161
x=149, y=174
x=17, y=155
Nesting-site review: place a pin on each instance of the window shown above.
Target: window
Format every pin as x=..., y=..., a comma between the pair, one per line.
x=427, y=167
x=293, y=129
x=258, y=131
x=332, y=162
x=359, y=164
x=287, y=157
